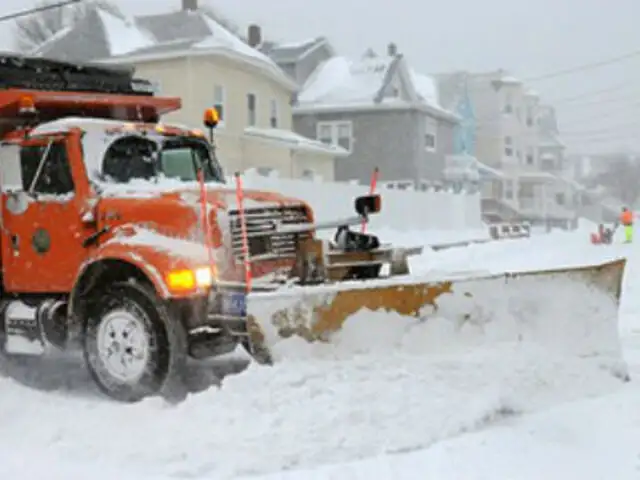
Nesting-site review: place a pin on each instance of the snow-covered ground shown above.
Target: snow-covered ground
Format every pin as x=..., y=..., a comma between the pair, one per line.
x=477, y=413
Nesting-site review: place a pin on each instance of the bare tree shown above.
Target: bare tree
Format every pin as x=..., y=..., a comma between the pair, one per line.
x=622, y=178
x=33, y=30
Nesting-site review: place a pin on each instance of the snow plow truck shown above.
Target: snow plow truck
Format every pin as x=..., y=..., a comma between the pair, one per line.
x=122, y=238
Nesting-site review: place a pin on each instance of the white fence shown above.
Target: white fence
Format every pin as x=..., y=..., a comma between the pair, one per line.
x=402, y=210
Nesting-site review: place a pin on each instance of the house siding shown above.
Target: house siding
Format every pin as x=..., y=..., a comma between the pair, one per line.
x=433, y=163
x=391, y=140
x=193, y=79
x=305, y=161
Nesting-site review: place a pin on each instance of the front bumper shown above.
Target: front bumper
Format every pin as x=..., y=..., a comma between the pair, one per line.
x=217, y=324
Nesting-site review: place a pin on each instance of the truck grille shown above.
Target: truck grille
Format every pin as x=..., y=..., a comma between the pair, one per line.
x=261, y=225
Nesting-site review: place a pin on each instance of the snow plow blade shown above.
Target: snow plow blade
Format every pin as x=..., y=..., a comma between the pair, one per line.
x=571, y=308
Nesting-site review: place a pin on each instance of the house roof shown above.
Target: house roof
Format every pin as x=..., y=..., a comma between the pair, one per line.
x=177, y=25
x=213, y=45
x=342, y=84
x=98, y=34
x=108, y=38
x=182, y=34
x=293, y=51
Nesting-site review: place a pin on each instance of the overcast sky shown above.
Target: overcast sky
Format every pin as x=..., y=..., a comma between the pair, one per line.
x=528, y=37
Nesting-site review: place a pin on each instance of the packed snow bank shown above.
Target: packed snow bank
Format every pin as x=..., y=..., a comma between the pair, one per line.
x=297, y=415
x=554, y=250
x=591, y=439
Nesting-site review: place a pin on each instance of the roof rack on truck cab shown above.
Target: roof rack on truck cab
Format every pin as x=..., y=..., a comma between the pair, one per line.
x=33, y=73
x=36, y=90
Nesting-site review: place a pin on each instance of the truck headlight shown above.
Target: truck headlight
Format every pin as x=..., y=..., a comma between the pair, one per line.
x=204, y=277
x=184, y=280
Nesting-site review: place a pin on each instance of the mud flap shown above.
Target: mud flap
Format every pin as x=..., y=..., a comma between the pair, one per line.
x=573, y=310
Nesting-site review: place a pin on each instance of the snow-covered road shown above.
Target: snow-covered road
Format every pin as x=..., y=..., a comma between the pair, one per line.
x=374, y=416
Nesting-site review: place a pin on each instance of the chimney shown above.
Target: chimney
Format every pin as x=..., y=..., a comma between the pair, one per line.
x=189, y=5
x=254, y=36
x=392, y=49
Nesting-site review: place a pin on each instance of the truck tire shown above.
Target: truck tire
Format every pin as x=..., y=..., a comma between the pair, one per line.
x=133, y=348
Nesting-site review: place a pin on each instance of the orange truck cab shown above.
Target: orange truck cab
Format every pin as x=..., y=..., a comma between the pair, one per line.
x=102, y=239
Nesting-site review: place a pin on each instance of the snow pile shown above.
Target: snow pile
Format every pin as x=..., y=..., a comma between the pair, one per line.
x=561, y=312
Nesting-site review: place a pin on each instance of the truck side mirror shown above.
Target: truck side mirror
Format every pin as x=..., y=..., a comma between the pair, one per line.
x=10, y=168
x=368, y=204
x=11, y=179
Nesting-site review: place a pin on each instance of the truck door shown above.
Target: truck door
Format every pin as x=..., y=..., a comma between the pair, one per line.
x=41, y=224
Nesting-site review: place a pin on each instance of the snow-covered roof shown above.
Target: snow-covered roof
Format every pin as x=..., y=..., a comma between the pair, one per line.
x=294, y=51
x=222, y=38
x=98, y=34
x=509, y=80
x=426, y=88
x=341, y=83
x=102, y=36
x=122, y=35
x=218, y=41
x=295, y=141
x=49, y=41
x=298, y=44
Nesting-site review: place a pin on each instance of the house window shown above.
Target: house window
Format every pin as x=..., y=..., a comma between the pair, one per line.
x=325, y=133
x=560, y=198
x=508, y=146
x=530, y=117
x=218, y=101
x=251, y=109
x=526, y=190
x=530, y=156
x=273, y=113
x=336, y=133
x=508, y=104
x=508, y=189
x=430, y=134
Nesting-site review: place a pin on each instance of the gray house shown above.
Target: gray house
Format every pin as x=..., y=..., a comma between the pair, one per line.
x=299, y=60
x=378, y=108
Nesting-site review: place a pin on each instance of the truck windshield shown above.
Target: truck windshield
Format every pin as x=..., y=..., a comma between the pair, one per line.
x=136, y=157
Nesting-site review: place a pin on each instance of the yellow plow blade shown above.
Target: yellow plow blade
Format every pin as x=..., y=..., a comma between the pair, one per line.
x=573, y=310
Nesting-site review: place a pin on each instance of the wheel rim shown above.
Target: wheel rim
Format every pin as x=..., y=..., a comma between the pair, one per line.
x=123, y=345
